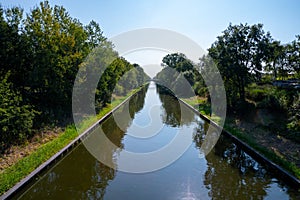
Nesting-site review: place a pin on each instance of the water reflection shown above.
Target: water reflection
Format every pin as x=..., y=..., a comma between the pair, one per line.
x=234, y=174
x=175, y=113
x=80, y=177
x=225, y=173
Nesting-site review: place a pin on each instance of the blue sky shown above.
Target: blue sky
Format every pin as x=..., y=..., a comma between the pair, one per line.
x=201, y=21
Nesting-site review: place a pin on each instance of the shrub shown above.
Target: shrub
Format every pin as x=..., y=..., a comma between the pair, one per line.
x=258, y=92
x=16, y=119
x=294, y=120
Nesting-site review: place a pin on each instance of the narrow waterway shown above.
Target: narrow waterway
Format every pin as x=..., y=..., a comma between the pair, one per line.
x=147, y=123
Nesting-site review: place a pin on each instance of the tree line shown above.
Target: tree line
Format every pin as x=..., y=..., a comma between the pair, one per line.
x=40, y=55
x=244, y=55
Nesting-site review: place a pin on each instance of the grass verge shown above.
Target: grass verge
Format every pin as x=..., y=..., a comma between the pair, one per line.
x=15, y=173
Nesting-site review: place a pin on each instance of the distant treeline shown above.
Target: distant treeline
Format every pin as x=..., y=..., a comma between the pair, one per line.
x=40, y=55
x=245, y=55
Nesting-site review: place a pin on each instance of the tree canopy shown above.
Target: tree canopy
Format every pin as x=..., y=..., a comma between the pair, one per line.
x=239, y=54
x=41, y=53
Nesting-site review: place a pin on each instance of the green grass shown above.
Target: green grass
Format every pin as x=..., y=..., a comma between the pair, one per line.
x=203, y=107
x=198, y=103
x=10, y=176
x=13, y=174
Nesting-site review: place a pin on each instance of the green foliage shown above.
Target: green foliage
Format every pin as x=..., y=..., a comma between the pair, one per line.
x=16, y=119
x=286, y=101
x=174, y=61
x=180, y=75
x=276, y=99
x=119, y=77
x=57, y=48
x=258, y=92
x=239, y=54
x=43, y=51
x=293, y=56
x=294, y=120
x=132, y=79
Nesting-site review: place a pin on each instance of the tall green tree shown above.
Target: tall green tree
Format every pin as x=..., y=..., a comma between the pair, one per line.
x=57, y=48
x=239, y=54
x=14, y=54
x=95, y=34
x=109, y=80
x=276, y=58
x=186, y=73
x=293, y=56
x=130, y=80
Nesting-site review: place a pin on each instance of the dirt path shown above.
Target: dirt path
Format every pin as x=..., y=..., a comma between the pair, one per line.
x=15, y=153
x=282, y=147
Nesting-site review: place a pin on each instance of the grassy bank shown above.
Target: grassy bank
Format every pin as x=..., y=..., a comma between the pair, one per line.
x=13, y=174
x=204, y=109
x=291, y=167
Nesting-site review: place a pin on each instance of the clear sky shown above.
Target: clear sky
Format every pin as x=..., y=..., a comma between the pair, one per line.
x=200, y=20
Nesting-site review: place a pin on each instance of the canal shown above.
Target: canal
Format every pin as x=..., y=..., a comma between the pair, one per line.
x=147, y=123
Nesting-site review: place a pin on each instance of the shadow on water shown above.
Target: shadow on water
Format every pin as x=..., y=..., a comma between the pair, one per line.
x=226, y=172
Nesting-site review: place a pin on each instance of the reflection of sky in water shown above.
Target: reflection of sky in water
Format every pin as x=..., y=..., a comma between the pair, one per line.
x=151, y=110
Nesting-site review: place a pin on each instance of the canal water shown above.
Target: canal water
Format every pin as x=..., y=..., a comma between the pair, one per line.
x=149, y=121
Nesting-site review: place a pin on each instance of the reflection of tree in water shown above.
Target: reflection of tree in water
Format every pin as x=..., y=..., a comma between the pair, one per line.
x=175, y=113
x=222, y=178
x=80, y=175
x=137, y=101
x=231, y=173
x=199, y=135
x=111, y=128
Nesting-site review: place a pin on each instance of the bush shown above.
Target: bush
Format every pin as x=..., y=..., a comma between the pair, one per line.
x=270, y=102
x=16, y=119
x=294, y=120
x=258, y=93
x=267, y=96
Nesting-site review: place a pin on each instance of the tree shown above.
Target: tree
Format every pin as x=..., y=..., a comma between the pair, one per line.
x=276, y=58
x=130, y=80
x=293, y=56
x=109, y=80
x=173, y=60
x=16, y=118
x=14, y=47
x=57, y=48
x=95, y=34
x=239, y=54
x=181, y=75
